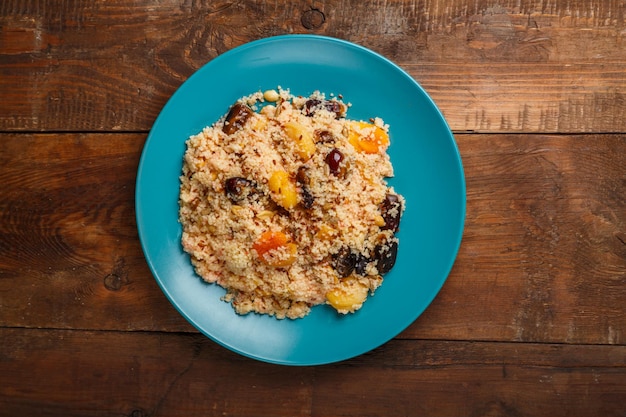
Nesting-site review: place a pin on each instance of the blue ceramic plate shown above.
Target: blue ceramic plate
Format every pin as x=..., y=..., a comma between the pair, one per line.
x=428, y=172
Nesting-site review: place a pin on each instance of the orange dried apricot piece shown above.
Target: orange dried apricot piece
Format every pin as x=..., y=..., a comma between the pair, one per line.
x=367, y=137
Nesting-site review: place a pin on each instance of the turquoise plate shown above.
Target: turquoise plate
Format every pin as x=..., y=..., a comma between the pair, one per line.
x=428, y=172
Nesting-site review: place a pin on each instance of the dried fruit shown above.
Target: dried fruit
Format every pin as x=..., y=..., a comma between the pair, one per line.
x=305, y=145
x=325, y=232
x=385, y=256
x=348, y=296
x=391, y=211
x=367, y=137
x=238, y=189
x=333, y=159
x=284, y=191
x=306, y=197
x=344, y=262
x=324, y=136
x=275, y=249
x=360, y=266
x=303, y=180
x=235, y=119
x=260, y=123
x=302, y=176
x=312, y=106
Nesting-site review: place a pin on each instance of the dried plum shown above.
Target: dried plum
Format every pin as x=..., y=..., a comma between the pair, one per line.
x=238, y=189
x=324, y=136
x=385, y=255
x=307, y=198
x=311, y=106
x=360, y=265
x=302, y=176
x=235, y=119
x=344, y=262
x=303, y=180
x=391, y=211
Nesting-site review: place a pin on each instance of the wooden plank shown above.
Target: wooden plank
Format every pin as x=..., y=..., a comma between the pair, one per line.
x=69, y=253
x=66, y=373
x=474, y=379
x=504, y=66
x=543, y=255
x=71, y=373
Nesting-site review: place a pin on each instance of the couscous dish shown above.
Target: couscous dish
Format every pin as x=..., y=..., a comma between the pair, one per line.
x=284, y=203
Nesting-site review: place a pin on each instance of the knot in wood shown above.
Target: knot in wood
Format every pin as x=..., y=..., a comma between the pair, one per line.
x=313, y=19
x=114, y=282
x=136, y=413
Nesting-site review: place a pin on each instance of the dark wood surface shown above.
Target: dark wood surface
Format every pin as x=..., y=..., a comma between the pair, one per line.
x=532, y=319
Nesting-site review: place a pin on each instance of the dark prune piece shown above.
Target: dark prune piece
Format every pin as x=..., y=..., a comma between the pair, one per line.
x=311, y=106
x=236, y=118
x=333, y=159
x=344, y=262
x=324, y=136
x=302, y=176
x=239, y=189
x=307, y=198
x=391, y=211
x=361, y=264
x=385, y=255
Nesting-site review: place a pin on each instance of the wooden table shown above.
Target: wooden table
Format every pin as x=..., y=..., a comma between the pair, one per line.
x=532, y=319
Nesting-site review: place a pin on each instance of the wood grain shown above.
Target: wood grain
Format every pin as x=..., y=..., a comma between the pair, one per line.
x=82, y=373
x=69, y=241
x=532, y=318
x=504, y=66
x=543, y=257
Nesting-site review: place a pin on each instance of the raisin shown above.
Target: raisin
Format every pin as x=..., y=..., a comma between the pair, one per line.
x=236, y=118
x=385, y=255
x=344, y=262
x=239, y=189
x=333, y=159
x=391, y=210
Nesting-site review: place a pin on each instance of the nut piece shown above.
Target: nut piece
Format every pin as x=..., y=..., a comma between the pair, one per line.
x=271, y=96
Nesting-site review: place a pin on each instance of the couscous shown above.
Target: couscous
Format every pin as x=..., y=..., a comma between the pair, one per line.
x=284, y=203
